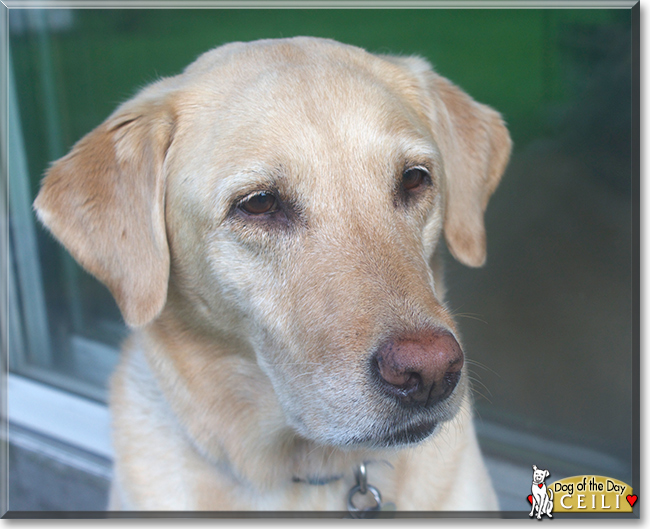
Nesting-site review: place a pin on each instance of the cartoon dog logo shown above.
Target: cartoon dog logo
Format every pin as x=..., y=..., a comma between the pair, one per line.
x=540, y=497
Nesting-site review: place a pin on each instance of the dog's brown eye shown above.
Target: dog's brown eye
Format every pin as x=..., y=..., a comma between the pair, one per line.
x=413, y=178
x=260, y=204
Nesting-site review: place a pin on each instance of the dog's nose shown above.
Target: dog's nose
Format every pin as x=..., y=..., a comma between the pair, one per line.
x=423, y=369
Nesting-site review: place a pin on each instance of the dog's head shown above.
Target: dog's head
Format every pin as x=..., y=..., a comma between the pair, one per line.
x=539, y=475
x=292, y=193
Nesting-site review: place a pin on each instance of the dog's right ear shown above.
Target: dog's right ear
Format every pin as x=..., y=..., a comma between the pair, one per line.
x=534, y=467
x=104, y=202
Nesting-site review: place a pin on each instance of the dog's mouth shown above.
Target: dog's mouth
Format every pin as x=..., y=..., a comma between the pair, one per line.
x=410, y=435
x=398, y=436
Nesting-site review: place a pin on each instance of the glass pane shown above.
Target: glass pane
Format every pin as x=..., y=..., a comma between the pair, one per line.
x=547, y=322
x=550, y=315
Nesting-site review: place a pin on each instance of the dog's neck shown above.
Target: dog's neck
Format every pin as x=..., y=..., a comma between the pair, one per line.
x=244, y=409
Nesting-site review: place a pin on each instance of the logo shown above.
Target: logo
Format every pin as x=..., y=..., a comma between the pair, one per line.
x=541, y=497
x=579, y=494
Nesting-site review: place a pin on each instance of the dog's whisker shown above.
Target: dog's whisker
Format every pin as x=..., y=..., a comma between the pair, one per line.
x=300, y=375
x=470, y=316
x=488, y=399
x=482, y=366
x=476, y=381
x=476, y=391
x=282, y=364
x=489, y=395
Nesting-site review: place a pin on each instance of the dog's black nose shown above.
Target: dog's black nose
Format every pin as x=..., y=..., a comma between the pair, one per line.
x=420, y=369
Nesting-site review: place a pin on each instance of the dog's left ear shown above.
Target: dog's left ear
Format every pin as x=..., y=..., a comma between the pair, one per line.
x=105, y=202
x=475, y=146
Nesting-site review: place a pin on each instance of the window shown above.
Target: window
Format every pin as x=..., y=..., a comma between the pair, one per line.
x=547, y=323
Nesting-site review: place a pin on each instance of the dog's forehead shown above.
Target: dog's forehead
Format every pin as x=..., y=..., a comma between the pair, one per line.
x=283, y=110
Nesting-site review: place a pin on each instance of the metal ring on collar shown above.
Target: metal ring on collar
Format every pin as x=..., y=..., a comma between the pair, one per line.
x=357, y=489
x=362, y=478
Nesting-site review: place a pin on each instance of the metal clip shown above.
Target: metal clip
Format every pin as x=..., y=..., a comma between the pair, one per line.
x=362, y=487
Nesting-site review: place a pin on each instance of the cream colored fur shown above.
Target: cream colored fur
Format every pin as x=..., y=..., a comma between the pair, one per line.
x=248, y=365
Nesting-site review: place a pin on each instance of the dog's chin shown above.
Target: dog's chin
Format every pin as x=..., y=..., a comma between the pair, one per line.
x=394, y=428
x=395, y=436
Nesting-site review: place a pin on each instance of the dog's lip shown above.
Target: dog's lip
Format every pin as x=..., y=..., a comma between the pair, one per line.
x=399, y=436
x=413, y=433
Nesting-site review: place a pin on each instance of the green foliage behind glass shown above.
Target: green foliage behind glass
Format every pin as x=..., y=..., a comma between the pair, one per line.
x=510, y=59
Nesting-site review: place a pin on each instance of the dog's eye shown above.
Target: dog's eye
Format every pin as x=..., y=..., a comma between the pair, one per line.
x=259, y=204
x=414, y=178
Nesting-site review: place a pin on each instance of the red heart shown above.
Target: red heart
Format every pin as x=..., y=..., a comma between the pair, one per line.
x=631, y=499
x=540, y=485
x=530, y=498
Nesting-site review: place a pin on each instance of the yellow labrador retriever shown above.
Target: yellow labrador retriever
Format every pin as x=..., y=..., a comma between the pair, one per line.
x=268, y=222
